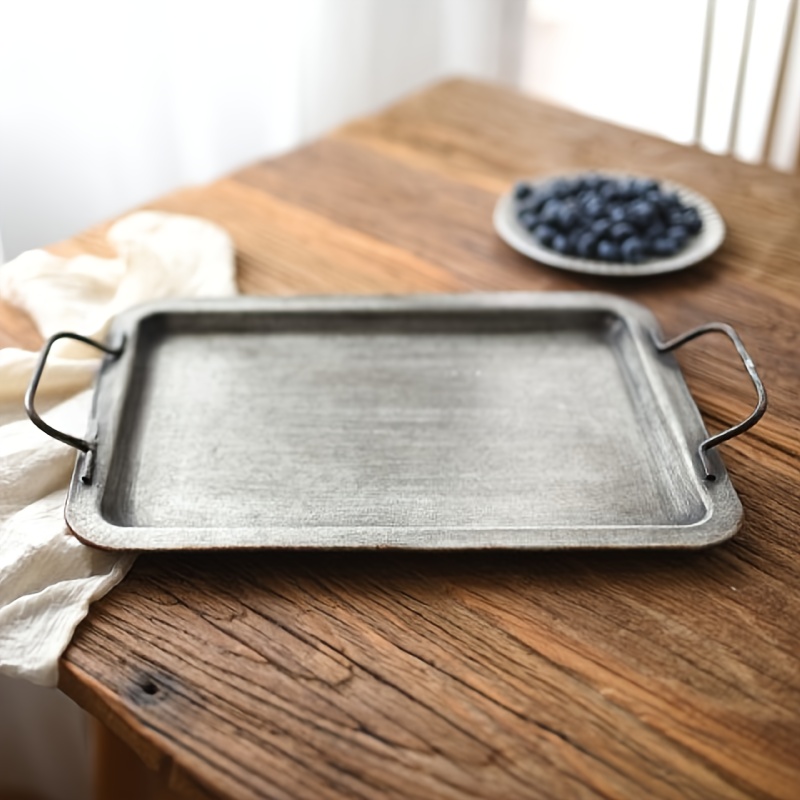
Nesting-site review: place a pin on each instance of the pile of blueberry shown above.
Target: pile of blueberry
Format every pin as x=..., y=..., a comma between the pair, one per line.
x=628, y=220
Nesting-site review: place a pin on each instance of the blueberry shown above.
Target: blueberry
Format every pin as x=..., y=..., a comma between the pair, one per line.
x=551, y=211
x=522, y=191
x=586, y=244
x=664, y=246
x=692, y=221
x=578, y=185
x=528, y=219
x=626, y=189
x=632, y=250
x=600, y=227
x=561, y=188
x=533, y=202
x=617, y=213
x=654, y=196
x=594, y=207
x=544, y=234
x=543, y=194
x=572, y=239
x=592, y=181
x=607, y=250
x=664, y=207
x=670, y=200
x=675, y=216
x=621, y=230
x=609, y=191
x=644, y=185
x=560, y=244
x=566, y=217
x=641, y=213
x=655, y=230
x=678, y=233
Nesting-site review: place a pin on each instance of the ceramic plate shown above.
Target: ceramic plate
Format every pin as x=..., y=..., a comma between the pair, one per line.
x=698, y=248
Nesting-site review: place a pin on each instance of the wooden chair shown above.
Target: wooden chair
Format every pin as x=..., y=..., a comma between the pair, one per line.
x=787, y=45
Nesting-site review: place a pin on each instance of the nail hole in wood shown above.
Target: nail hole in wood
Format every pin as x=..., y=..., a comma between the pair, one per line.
x=149, y=688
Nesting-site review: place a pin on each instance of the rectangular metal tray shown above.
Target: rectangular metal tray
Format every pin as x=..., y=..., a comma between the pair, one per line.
x=508, y=420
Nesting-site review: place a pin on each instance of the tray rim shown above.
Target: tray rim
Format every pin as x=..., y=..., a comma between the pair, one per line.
x=85, y=519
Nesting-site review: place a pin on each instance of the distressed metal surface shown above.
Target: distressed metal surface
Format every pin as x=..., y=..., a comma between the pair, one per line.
x=471, y=421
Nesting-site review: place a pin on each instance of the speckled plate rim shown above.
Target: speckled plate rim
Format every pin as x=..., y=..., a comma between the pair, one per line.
x=702, y=246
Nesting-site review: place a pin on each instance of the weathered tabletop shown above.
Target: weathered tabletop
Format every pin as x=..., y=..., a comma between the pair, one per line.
x=490, y=675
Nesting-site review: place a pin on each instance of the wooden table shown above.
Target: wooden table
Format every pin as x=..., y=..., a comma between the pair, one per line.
x=636, y=675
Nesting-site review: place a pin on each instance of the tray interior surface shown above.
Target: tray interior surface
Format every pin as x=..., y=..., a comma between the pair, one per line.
x=465, y=421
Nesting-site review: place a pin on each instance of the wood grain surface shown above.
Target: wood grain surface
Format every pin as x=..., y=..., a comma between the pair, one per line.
x=615, y=675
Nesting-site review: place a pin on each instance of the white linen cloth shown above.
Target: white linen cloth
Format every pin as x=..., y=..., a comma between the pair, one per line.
x=47, y=577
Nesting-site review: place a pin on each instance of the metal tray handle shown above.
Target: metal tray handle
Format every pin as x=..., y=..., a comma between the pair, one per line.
x=74, y=441
x=761, y=405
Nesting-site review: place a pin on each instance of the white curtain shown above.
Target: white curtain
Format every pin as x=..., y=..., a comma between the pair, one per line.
x=106, y=105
